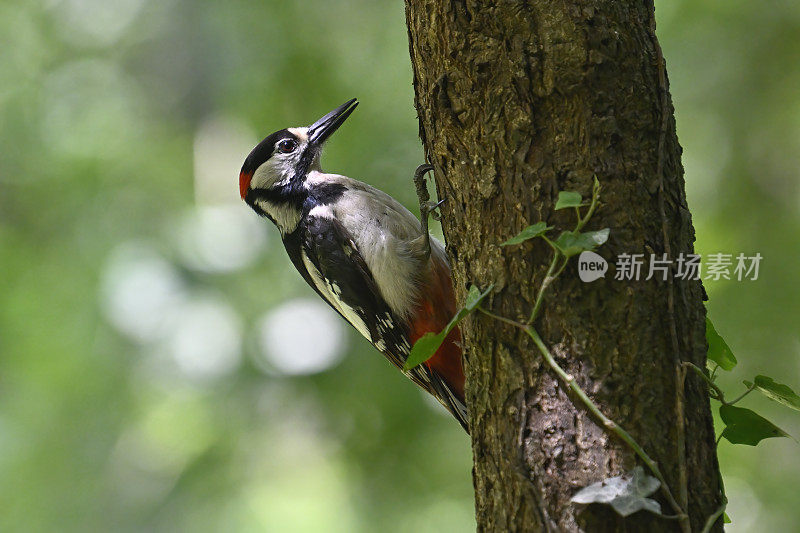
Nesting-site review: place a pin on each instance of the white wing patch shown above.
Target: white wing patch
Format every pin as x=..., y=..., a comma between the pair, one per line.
x=333, y=294
x=322, y=211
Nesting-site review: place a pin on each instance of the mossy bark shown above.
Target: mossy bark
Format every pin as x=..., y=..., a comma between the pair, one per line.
x=516, y=101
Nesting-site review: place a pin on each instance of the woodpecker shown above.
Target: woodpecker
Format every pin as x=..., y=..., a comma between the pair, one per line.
x=364, y=253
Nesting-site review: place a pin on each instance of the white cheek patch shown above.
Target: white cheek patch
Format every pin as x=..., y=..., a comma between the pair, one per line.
x=277, y=170
x=332, y=293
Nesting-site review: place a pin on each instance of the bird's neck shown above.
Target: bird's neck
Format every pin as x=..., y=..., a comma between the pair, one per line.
x=283, y=205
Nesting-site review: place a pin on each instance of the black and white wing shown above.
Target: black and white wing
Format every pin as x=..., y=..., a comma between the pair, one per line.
x=337, y=271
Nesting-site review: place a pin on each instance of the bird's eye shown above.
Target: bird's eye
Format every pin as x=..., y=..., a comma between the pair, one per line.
x=287, y=146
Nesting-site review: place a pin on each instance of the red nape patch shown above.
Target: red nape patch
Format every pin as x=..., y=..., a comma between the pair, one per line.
x=244, y=183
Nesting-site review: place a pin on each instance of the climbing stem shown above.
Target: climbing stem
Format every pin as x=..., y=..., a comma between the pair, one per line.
x=548, y=279
x=716, y=392
x=592, y=206
x=609, y=424
x=712, y=519
x=750, y=389
x=556, y=267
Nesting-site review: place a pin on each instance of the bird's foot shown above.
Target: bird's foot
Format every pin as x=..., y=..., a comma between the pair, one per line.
x=426, y=207
x=419, y=183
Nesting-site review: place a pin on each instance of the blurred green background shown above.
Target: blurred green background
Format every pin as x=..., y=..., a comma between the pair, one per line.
x=162, y=367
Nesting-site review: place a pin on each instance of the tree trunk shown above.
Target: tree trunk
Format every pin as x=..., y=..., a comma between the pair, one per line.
x=516, y=101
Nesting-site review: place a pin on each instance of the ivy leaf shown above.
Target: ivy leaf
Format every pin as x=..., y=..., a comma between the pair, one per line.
x=776, y=391
x=572, y=242
x=568, y=199
x=427, y=345
x=626, y=494
x=423, y=349
x=718, y=350
x=530, y=232
x=743, y=426
x=474, y=298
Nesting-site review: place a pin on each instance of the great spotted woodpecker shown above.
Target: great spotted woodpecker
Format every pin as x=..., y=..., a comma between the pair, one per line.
x=364, y=253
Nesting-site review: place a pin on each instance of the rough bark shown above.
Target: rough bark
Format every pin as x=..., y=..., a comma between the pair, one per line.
x=516, y=101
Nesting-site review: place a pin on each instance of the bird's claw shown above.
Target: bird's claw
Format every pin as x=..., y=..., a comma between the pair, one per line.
x=423, y=169
x=433, y=209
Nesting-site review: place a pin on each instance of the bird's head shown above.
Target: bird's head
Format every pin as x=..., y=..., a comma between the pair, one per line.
x=287, y=155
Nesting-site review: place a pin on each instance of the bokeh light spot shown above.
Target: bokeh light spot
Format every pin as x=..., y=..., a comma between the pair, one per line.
x=140, y=292
x=221, y=238
x=97, y=22
x=206, y=338
x=301, y=336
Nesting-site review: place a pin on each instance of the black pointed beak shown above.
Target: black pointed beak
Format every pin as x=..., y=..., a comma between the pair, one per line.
x=319, y=131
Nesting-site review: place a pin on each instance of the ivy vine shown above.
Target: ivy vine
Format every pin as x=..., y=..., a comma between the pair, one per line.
x=630, y=492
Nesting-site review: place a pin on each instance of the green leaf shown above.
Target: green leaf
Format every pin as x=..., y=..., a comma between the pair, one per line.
x=530, y=232
x=718, y=350
x=475, y=297
x=626, y=494
x=572, y=243
x=743, y=426
x=427, y=345
x=423, y=349
x=777, y=392
x=568, y=199
x=725, y=518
